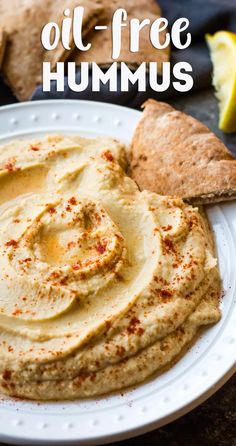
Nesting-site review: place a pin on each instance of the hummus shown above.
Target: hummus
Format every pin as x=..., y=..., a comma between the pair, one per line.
x=101, y=285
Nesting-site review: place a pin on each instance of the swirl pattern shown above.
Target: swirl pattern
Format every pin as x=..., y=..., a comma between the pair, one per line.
x=100, y=285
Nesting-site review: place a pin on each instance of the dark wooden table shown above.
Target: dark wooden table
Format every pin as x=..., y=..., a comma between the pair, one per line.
x=213, y=423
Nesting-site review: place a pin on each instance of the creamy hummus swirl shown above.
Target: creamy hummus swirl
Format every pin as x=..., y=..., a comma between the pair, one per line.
x=101, y=285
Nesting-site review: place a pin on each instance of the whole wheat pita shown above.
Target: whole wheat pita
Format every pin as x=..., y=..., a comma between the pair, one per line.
x=22, y=67
x=101, y=51
x=92, y=15
x=174, y=154
x=3, y=40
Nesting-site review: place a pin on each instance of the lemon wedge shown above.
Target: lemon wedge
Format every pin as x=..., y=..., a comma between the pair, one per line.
x=222, y=46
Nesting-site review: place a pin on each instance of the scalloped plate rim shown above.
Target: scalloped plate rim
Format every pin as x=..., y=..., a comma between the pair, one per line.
x=109, y=119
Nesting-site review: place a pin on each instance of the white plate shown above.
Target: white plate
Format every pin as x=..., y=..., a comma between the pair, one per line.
x=206, y=366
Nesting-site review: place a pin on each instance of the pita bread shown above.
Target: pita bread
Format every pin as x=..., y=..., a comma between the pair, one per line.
x=23, y=21
x=101, y=50
x=3, y=39
x=174, y=154
x=92, y=15
x=22, y=67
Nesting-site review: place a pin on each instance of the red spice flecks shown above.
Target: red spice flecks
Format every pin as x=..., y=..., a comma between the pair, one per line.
x=13, y=243
x=17, y=312
x=51, y=154
x=16, y=220
x=72, y=201
x=166, y=293
x=68, y=208
x=98, y=217
x=10, y=165
x=101, y=248
x=52, y=210
x=108, y=155
x=193, y=222
x=169, y=245
x=28, y=259
x=64, y=281
x=34, y=148
x=134, y=327
x=120, y=350
x=71, y=245
x=76, y=266
x=6, y=374
x=55, y=275
x=167, y=228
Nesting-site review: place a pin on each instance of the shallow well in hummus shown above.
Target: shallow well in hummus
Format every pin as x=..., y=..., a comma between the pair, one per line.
x=19, y=182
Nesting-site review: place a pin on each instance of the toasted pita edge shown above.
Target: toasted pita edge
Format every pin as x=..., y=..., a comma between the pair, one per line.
x=3, y=41
x=101, y=51
x=20, y=28
x=206, y=197
x=211, y=198
x=92, y=15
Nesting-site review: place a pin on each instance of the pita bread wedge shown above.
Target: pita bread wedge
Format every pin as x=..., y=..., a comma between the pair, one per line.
x=92, y=14
x=3, y=39
x=22, y=67
x=174, y=154
x=101, y=50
